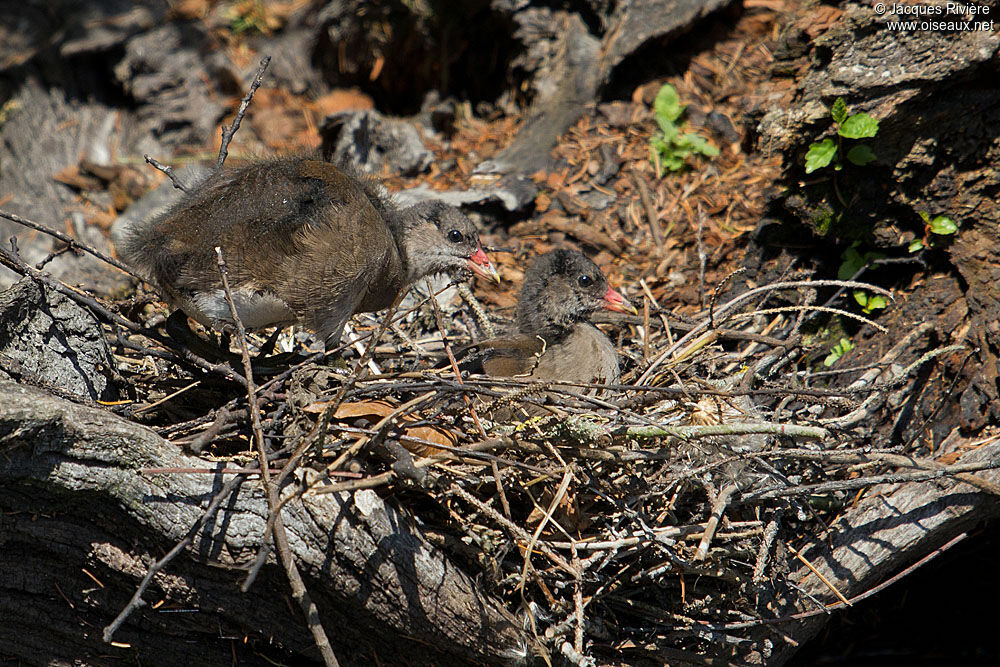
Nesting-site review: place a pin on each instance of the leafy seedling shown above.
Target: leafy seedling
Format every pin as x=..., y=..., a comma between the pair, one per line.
x=857, y=126
x=853, y=262
x=669, y=148
x=842, y=347
x=941, y=225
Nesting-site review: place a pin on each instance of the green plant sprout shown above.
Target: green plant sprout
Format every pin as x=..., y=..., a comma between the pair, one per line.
x=854, y=261
x=842, y=347
x=249, y=16
x=856, y=126
x=668, y=148
x=941, y=225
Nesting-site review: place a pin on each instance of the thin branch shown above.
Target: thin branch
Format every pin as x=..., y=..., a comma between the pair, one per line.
x=136, y=602
x=70, y=241
x=230, y=131
x=168, y=170
x=299, y=591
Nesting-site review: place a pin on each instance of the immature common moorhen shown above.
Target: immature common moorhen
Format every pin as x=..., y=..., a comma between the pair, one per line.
x=553, y=339
x=302, y=241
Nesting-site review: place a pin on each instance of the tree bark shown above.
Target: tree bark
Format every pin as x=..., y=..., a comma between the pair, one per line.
x=886, y=531
x=80, y=524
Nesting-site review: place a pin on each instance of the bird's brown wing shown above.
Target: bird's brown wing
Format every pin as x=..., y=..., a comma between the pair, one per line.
x=510, y=356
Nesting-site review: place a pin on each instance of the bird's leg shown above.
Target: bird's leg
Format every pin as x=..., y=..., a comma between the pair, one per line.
x=268, y=346
x=177, y=328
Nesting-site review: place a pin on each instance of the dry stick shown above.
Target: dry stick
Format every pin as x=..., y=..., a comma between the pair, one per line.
x=51, y=256
x=228, y=132
x=901, y=460
x=725, y=495
x=691, y=532
x=473, y=451
x=16, y=264
x=836, y=605
x=702, y=259
x=749, y=294
x=819, y=575
x=708, y=430
x=307, y=441
x=866, y=408
x=278, y=533
x=577, y=599
x=69, y=240
x=168, y=170
x=647, y=202
x=136, y=600
x=766, y=543
x=495, y=469
x=718, y=290
x=477, y=310
x=862, y=482
x=556, y=499
x=514, y=529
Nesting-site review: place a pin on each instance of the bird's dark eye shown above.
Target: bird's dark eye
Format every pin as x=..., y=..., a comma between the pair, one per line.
x=455, y=236
x=585, y=280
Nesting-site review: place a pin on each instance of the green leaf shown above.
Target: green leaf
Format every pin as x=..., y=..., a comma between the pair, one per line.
x=853, y=261
x=668, y=129
x=943, y=225
x=925, y=216
x=843, y=346
x=869, y=302
x=820, y=154
x=667, y=104
x=851, y=264
x=915, y=245
x=673, y=162
x=858, y=126
x=839, y=111
x=861, y=154
x=699, y=144
x=875, y=302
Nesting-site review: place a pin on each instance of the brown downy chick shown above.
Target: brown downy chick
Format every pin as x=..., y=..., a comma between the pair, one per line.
x=554, y=340
x=302, y=241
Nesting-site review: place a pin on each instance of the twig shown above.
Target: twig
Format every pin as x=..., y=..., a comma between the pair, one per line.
x=298, y=587
x=652, y=218
x=702, y=259
x=137, y=601
x=725, y=495
x=749, y=294
x=529, y=547
x=168, y=170
x=230, y=131
x=850, y=602
x=862, y=482
x=69, y=240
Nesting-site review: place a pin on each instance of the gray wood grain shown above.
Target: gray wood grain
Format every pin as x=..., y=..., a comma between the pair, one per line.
x=75, y=497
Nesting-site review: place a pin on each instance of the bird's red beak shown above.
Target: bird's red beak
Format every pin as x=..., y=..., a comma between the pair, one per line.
x=480, y=263
x=613, y=300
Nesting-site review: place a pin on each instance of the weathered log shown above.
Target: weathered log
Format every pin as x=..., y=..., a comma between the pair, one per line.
x=80, y=524
x=889, y=529
x=568, y=80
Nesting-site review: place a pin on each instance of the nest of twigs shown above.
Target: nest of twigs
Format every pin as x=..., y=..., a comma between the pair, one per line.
x=642, y=516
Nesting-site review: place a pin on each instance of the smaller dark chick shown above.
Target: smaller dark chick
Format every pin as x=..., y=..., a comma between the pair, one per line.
x=554, y=339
